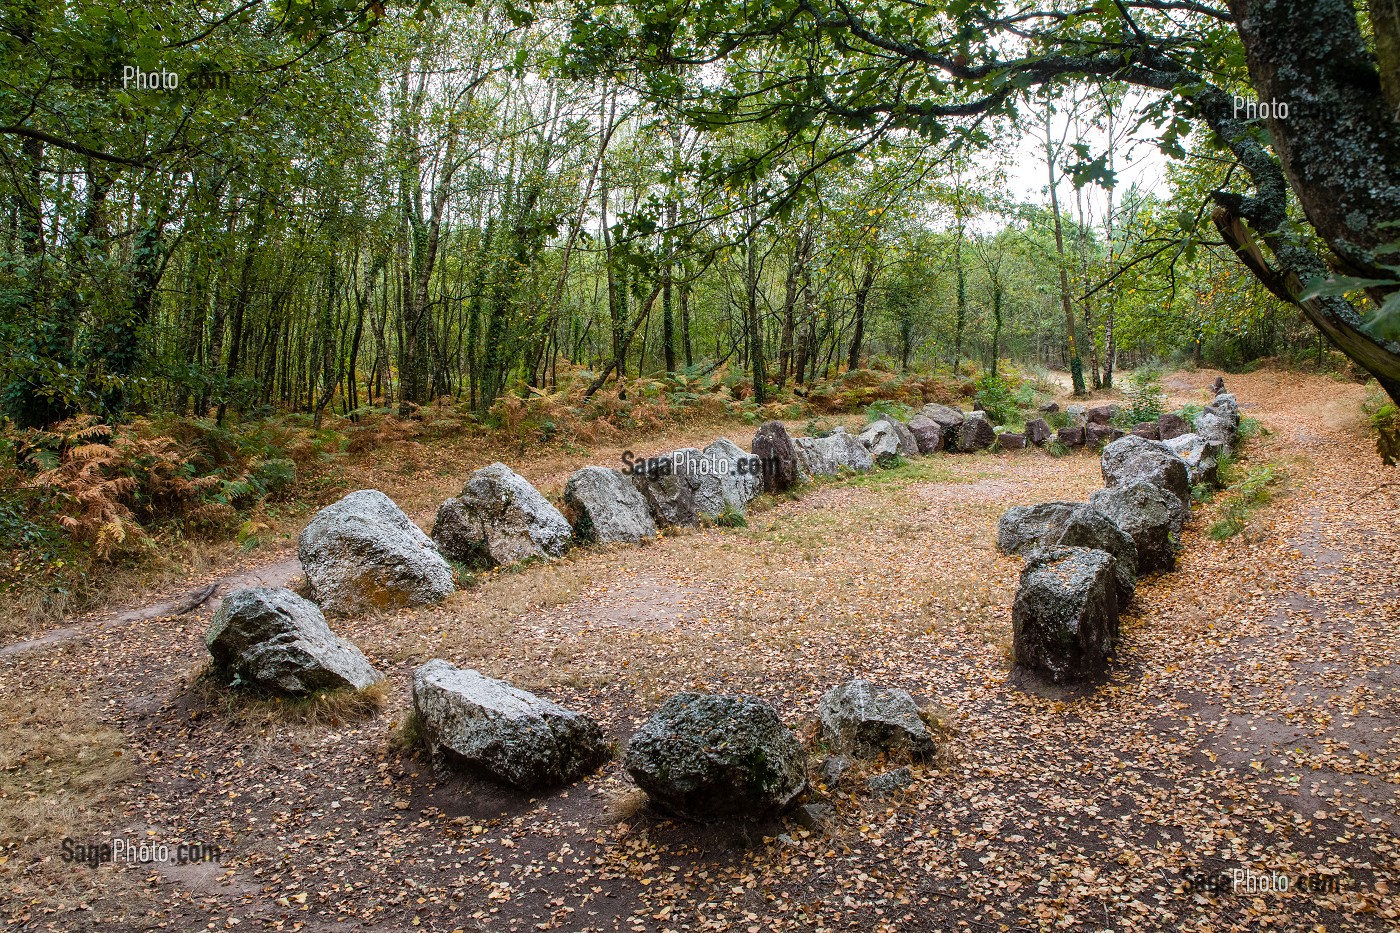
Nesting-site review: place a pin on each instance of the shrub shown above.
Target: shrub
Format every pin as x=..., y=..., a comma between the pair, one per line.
x=1385, y=421
x=996, y=399
x=1144, y=398
x=1244, y=498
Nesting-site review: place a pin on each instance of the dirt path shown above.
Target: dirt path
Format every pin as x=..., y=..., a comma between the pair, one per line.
x=1250, y=723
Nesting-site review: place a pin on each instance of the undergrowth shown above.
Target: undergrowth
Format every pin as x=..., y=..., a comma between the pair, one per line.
x=1242, y=499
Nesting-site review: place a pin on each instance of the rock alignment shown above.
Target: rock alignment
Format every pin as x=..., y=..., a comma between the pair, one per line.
x=499, y=518
x=484, y=725
x=707, y=757
x=363, y=553
x=864, y=720
x=274, y=640
x=948, y=418
x=1065, y=619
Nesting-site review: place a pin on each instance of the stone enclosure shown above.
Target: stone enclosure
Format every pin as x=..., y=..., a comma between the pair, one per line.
x=706, y=756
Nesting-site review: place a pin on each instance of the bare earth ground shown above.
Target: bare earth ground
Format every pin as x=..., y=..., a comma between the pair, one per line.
x=1250, y=721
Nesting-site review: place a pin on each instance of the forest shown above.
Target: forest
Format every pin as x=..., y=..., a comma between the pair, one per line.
x=716, y=465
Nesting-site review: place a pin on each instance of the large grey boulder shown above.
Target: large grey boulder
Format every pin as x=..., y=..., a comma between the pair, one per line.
x=861, y=719
x=1026, y=528
x=716, y=756
x=363, y=553
x=777, y=455
x=976, y=432
x=1138, y=460
x=1216, y=430
x=606, y=507
x=722, y=476
x=928, y=434
x=1200, y=458
x=1029, y=530
x=481, y=724
x=1065, y=618
x=828, y=456
x=670, y=498
x=1144, y=513
x=499, y=519
x=908, y=443
x=882, y=441
x=1147, y=429
x=274, y=640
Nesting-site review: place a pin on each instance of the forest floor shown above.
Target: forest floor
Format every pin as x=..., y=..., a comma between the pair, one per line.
x=1249, y=722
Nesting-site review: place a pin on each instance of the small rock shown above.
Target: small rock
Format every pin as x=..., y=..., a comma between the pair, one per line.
x=948, y=418
x=1070, y=437
x=1101, y=414
x=1147, y=430
x=1038, y=432
x=716, y=756
x=815, y=816
x=1172, y=425
x=890, y=782
x=928, y=434
x=1050, y=408
x=1009, y=440
x=1076, y=414
x=975, y=433
x=865, y=720
x=1097, y=435
x=882, y=441
x=777, y=456
x=832, y=769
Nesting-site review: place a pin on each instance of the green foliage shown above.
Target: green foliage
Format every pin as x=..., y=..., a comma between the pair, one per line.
x=1243, y=499
x=1384, y=418
x=1145, y=400
x=877, y=411
x=731, y=518
x=997, y=399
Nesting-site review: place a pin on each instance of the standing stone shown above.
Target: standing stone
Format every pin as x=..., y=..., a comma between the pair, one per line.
x=1145, y=513
x=777, y=456
x=1070, y=437
x=948, y=418
x=275, y=640
x=828, y=456
x=928, y=434
x=364, y=554
x=976, y=433
x=670, y=498
x=882, y=441
x=499, y=519
x=1199, y=457
x=1102, y=414
x=1028, y=529
x=723, y=476
x=1172, y=425
x=487, y=725
x=715, y=756
x=1038, y=432
x=858, y=718
x=1147, y=430
x=1097, y=435
x=908, y=443
x=1213, y=429
x=606, y=507
x=1065, y=618
x=1135, y=460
